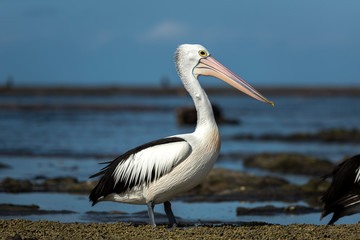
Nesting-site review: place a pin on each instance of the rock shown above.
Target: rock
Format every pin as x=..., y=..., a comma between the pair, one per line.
x=290, y=163
x=14, y=207
x=61, y=184
x=2, y=165
x=188, y=116
x=329, y=135
x=316, y=185
x=24, y=210
x=227, y=185
x=15, y=186
x=339, y=135
x=270, y=210
x=220, y=185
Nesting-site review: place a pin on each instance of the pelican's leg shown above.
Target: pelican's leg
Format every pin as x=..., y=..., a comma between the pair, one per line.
x=151, y=213
x=169, y=214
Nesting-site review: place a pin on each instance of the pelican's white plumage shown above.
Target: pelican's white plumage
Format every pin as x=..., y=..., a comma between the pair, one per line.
x=156, y=159
x=155, y=172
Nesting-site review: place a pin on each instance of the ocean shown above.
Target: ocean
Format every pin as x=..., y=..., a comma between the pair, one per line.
x=60, y=135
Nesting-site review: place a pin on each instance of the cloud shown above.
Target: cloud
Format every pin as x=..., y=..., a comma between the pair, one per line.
x=167, y=30
x=103, y=38
x=98, y=40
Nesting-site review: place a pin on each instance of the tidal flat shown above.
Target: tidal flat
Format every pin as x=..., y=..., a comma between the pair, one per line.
x=266, y=184
x=26, y=229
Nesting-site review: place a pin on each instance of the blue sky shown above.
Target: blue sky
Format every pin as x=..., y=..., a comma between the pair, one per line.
x=271, y=43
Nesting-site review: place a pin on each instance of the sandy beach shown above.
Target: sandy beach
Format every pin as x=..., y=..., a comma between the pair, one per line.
x=25, y=229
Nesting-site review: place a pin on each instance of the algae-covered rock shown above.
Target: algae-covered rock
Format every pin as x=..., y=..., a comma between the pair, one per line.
x=228, y=185
x=24, y=210
x=220, y=179
x=338, y=135
x=188, y=116
x=220, y=185
x=14, y=207
x=2, y=165
x=290, y=163
x=66, y=184
x=329, y=135
x=316, y=185
x=15, y=186
x=61, y=184
x=270, y=210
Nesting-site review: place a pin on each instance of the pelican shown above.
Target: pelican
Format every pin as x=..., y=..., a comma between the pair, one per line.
x=343, y=195
x=155, y=172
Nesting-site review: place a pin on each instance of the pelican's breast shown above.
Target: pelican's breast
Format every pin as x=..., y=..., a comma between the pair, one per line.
x=190, y=172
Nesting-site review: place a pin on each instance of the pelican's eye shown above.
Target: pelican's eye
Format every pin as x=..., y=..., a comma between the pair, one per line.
x=203, y=53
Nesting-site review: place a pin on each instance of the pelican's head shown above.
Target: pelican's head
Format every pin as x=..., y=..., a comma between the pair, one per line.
x=197, y=59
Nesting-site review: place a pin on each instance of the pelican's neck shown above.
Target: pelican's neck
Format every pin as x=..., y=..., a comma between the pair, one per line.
x=205, y=115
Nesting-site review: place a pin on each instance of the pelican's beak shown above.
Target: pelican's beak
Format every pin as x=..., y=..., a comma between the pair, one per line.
x=210, y=67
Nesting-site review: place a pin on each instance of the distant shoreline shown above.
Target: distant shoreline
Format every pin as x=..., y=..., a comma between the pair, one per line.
x=153, y=90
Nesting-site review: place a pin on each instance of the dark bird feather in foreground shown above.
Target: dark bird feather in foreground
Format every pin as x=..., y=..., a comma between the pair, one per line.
x=343, y=196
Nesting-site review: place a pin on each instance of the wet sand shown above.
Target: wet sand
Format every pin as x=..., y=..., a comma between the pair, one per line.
x=22, y=229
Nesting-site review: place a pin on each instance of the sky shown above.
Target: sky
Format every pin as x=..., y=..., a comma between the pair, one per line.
x=117, y=43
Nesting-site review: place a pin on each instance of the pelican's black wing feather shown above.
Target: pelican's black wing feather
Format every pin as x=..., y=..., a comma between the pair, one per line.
x=108, y=184
x=344, y=190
